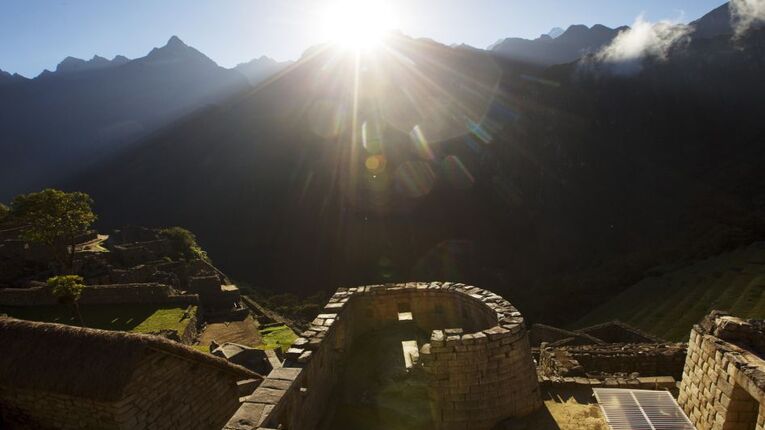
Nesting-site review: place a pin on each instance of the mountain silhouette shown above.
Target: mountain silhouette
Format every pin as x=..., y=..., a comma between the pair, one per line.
x=555, y=32
x=258, y=69
x=715, y=23
x=568, y=46
x=85, y=110
x=71, y=64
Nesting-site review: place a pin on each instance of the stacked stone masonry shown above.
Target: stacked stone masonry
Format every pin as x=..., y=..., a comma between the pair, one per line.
x=149, y=293
x=723, y=386
x=164, y=386
x=478, y=361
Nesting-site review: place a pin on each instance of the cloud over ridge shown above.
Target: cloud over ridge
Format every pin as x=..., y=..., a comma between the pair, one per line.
x=644, y=39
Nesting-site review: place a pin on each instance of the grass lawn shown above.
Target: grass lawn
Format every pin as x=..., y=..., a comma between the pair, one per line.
x=201, y=348
x=668, y=305
x=277, y=336
x=135, y=318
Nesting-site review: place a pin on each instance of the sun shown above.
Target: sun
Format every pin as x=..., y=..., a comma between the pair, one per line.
x=358, y=24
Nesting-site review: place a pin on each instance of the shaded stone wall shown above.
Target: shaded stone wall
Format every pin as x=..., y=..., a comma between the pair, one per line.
x=99, y=294
x=26, y=409
x=723, y=386
x=647, y=359
x=480, y=378
x=165, y=392
x=476, y=378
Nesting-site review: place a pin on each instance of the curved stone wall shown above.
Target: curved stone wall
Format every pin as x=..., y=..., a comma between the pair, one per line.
x=478, y=362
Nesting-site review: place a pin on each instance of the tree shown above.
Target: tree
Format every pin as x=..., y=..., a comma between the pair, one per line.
x=68, y=289
x=188, y=242
x=55, y=219
x=4, y=211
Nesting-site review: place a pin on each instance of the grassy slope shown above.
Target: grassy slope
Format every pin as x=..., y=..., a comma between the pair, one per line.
x=277, y=336
x=135, y=318
x=670, y=303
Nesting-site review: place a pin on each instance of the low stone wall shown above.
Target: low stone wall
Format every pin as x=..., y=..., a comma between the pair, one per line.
x=99, y=294
x=475, y=379
x=723, y=384
x=645, y=359
x=191, y=331
x=74, y=378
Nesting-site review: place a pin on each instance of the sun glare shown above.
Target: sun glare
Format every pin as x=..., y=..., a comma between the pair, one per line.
x=358, y=24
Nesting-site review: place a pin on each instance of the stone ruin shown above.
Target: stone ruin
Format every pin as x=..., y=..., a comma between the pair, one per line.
x=609, y=355
x=476, y=360
x=141, y=266
x=64, y=377
x=723, y=386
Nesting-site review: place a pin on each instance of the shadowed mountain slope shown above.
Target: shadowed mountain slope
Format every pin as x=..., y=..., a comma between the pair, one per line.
x=62, y=121
x=554, y=187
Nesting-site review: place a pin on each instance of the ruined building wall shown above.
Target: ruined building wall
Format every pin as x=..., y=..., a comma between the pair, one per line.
x=476, y=378
x=647, y=359
x=723, y=386
x=164, y=390
x=150, y=293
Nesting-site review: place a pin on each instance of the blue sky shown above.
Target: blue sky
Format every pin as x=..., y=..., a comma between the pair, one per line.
x=37, y=34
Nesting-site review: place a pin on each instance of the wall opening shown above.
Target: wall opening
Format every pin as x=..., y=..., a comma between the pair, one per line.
x=742, y=410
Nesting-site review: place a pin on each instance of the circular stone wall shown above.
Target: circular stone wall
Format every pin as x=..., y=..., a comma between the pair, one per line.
x=478, y=362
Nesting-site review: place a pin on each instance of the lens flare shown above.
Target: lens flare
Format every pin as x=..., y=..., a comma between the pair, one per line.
x=456, y=173
x=415, y=179
x=421, y=144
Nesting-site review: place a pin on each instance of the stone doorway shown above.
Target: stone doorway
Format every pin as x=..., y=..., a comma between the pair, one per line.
x=742, y=410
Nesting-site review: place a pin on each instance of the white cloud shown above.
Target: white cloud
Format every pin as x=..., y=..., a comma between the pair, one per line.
x=746, y=14
x=625, y=54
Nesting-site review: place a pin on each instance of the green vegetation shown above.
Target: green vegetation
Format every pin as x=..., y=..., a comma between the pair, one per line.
x=163, y=319
x=187, y=240
x=134, y=318
x=4, y=211
x=55, y=219
x=670, y=302
x=68, y=289
x=277, y=336
x=202, y=348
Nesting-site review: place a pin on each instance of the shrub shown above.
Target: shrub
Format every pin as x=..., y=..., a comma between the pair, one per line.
x=187, y=240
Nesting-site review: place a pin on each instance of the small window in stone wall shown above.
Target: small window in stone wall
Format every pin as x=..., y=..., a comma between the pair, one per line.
x=438, y=309
x=404, y=307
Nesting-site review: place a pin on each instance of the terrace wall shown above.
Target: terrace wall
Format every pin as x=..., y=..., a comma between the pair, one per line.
x=646, y=359
x=723, y=386
x=154, y=387
x=476, y=379
x=99, y=294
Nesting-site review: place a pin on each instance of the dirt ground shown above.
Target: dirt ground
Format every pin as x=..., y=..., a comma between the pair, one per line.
x=243, y=332
x=561, y=415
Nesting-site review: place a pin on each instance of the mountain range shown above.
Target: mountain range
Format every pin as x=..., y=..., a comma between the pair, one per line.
x=84, y=111
x=559, y=46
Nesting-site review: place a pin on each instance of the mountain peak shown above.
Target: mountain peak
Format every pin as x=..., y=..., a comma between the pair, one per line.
x=555, y=32
x=175, y=50
x=715, y=23
x=175, y=42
